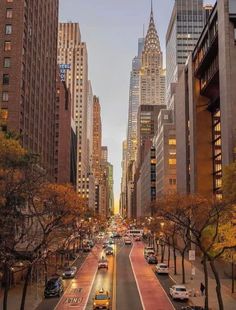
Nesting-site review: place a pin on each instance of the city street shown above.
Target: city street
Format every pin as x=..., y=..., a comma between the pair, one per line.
x=121, y=280
x=127, y=295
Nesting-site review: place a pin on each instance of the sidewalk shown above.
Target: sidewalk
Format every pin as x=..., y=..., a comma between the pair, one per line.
x=34, y=292
x=194, y=284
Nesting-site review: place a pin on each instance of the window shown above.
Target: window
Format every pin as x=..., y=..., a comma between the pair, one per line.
x=172, y=181
x=8, y=29
x=172, y=161
x=5, y=96
x=3, y=115
x=9, y=0
x=9, y=13
x=7, y=46
x=5, y=79
x=166, y=117
x=172, y=141
x=7, y=62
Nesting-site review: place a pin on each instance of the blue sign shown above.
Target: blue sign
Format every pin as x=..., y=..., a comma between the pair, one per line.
x=63, y=69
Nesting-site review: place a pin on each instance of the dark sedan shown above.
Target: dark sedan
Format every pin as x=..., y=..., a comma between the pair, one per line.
x=54, y=287
x=152, y=259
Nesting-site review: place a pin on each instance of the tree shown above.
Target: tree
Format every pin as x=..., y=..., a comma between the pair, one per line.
x=199, y=215
x=36, y=217
x=229, y=183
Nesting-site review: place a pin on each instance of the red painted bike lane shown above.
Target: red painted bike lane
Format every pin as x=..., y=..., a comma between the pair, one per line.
x=151, y=293
x=77, y=294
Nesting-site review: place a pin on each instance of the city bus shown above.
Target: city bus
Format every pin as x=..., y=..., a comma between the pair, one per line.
x=135, y=232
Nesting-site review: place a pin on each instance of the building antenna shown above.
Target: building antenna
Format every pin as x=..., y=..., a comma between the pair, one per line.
x=143, y=30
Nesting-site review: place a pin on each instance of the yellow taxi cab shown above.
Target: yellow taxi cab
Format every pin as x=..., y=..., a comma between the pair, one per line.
x=101, y=300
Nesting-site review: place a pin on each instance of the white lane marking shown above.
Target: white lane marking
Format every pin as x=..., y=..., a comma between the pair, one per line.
x=85, y=305
x=69, y=286
x=136, y=280
x=114, y=281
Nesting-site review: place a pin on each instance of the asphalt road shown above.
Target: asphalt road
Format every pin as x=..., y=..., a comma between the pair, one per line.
x=50, y=303
x=103, y=279
x=166, y=283
x=127, y=295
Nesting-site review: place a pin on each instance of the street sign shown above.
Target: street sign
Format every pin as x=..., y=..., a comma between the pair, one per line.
x=191, y=255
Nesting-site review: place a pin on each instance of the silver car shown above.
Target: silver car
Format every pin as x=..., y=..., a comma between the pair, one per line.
x=69, y=272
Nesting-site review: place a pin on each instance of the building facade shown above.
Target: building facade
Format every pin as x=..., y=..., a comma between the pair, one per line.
x=152, y=75
x=208, y=84
x=73, y=60
x=184, y=28
x=28, y=33
x=209, y=107
x=62, y=142
x=134, y=101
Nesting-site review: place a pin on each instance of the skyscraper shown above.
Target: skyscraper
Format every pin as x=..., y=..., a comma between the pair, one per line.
x=184, y=29
x=152, y=86
x=134, y=101
x=72, y=55
x=28, y=58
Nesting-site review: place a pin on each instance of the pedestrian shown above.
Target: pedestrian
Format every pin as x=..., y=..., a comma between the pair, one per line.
x=202, y=288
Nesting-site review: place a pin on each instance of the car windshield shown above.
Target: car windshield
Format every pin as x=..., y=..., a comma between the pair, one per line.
x=180, y=289
x=101, y=297
x=68, y=269
x=52, y=284
x=163, y=266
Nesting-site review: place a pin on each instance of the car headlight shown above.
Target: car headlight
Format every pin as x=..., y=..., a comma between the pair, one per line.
x=94, y=303
x=63, y=274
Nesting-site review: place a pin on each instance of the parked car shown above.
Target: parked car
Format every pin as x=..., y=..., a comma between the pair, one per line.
x=105, y=244
x=179, y=292
x=54, y=287
x=149, y=253
x=162, y=268
x=86, y=248
x=103, y=263
x=148, y=248
x=69, y=272
x=72, y=256
x=152, y=259
x=109, y=251
x=110, y=241
x=101, y=300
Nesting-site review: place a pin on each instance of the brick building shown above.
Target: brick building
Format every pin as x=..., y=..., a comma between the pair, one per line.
x=28, y=58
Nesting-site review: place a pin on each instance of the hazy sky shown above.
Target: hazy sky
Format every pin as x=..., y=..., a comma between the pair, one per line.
x=111, y=29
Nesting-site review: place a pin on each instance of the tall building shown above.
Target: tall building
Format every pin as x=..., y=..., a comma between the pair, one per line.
x=90, y=124
x=97, y=149
x=184, y=28
x=134, y=101
x=206, y=140
x=97, y=139
x=72, y=55
x=123, y=186
x=104, y=189
x=145, y=174
x=110, y=186
x=28, y=35
x=152, y=75
x=62, y=146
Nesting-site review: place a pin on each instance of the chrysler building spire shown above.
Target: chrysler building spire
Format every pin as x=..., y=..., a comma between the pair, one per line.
x=152, y=40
